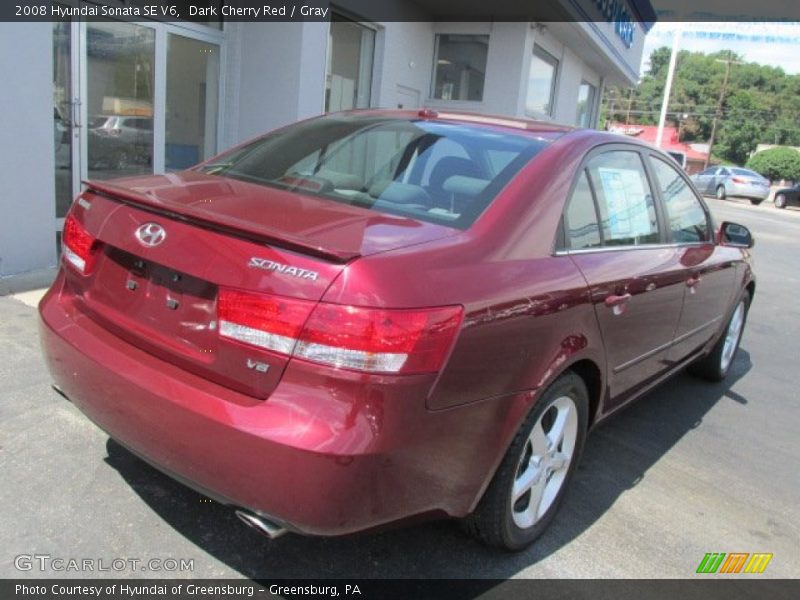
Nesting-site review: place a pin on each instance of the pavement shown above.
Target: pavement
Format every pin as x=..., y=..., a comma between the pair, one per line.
x=691, y=468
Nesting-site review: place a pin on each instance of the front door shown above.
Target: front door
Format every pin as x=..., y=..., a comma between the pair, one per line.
x=708, y=270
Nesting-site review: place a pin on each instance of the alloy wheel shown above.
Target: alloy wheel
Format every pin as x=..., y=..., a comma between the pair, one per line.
x=544, y=463
x=732, y=336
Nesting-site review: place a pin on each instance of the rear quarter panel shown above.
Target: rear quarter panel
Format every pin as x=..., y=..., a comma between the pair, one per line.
x=527, y=313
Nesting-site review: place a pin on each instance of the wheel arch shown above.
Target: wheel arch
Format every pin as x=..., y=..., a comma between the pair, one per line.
x=584, y=367
x=592, y=376
x=751, y=288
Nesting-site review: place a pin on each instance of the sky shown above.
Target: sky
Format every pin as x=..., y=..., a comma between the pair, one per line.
x=767, y=43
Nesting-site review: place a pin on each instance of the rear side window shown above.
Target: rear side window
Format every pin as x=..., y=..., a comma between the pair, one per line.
x=440, y=172
x=688, y=221
x=580, y=220
x=624, y=199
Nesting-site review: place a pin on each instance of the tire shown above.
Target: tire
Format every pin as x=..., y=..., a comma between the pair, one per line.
x=503, y=521
x=717, y=363
x=780, y=201
x=721, y=193
x=756, y=201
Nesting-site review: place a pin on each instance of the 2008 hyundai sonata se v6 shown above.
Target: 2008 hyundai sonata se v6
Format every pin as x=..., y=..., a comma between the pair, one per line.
x=370, y=317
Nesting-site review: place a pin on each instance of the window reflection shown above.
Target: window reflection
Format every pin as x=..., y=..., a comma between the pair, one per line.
x=120, y=85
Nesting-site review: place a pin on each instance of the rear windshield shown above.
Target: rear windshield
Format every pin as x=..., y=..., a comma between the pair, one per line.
x=746, y=173
x=438, y=172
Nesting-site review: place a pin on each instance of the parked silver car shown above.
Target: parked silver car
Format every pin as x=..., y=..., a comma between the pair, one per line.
x=732, y=181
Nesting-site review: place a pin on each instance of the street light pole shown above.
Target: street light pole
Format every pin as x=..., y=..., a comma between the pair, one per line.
x=676, y=36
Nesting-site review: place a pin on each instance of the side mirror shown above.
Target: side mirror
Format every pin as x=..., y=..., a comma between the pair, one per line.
x=735, y=235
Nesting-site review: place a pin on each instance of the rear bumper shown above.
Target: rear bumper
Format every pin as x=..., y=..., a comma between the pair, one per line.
x=748, y=191
x=326, y=454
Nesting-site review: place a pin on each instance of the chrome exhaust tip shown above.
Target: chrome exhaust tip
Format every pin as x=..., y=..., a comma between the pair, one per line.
x=263, y=526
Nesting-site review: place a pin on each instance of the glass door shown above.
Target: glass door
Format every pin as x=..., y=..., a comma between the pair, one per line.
x=120, y=99
x=348, y=82
x=192, y=101
x=131, y=99
x=66, y=118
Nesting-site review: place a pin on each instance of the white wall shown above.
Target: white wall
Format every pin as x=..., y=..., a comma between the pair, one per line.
x=278, y=72
x=404, y=56
x=27, y=199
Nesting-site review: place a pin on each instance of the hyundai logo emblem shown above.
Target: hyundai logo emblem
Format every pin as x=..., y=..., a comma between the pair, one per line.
x=151, y=234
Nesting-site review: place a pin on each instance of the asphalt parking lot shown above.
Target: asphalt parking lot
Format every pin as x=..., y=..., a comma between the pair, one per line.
x=691, y=468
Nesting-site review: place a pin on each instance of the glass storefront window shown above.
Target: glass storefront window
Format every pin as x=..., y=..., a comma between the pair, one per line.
x=541, y=83
x=192, y=99
x=63, y=109
x=460, y=66
x=586, y=94
x=351, y=47
x=120, y=81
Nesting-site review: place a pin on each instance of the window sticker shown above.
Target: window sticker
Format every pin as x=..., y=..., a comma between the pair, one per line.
x=626, y=201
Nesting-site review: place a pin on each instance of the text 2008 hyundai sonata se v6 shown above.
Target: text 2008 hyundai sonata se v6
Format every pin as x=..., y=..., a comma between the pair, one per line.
x=375, y=316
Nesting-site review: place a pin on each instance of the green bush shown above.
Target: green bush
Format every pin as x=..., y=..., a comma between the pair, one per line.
x=776, y=163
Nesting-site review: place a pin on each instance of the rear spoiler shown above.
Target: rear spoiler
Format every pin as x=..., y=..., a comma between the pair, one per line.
x=221, y=223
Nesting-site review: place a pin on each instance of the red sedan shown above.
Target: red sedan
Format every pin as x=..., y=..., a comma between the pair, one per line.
x=370, y=317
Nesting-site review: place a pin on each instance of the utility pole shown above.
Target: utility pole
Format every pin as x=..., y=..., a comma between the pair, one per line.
x=630, y=102
x=611, y=97
x=718, y=113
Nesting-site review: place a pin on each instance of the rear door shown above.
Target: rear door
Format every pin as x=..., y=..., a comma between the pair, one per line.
x=614, y=234
x=709, y=271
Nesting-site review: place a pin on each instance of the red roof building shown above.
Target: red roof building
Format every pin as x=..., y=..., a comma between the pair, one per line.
x=695, y=153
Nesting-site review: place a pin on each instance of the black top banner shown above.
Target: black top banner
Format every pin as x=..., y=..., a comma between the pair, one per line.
x=645, y=12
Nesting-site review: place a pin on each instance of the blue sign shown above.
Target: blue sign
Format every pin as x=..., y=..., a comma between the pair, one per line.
x=617, y=12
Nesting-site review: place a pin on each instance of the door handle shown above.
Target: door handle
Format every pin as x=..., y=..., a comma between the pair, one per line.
x=617, y=303
x=693, y=281
x=616, y=300
x=76, y=112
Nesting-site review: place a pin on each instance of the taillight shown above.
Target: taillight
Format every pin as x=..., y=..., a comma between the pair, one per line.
x=270, y=322
x=379, y=340
x=78, y=246
x=363, y=339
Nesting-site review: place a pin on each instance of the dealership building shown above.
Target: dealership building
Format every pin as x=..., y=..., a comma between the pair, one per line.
x=90, y=99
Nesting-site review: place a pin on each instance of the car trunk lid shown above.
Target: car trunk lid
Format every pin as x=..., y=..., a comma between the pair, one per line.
x=163, y=298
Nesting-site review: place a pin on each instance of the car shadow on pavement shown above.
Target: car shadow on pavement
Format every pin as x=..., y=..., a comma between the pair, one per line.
x=617, y=457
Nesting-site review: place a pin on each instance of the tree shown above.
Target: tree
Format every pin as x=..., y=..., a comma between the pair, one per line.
x=742, y=126
x=762, y=103
x=776, y=163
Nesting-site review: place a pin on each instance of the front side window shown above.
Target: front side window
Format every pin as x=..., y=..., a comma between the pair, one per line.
x=688, y=221
x=460, y=69
x=443, y=173
x=624, y=199
x=541, y=83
